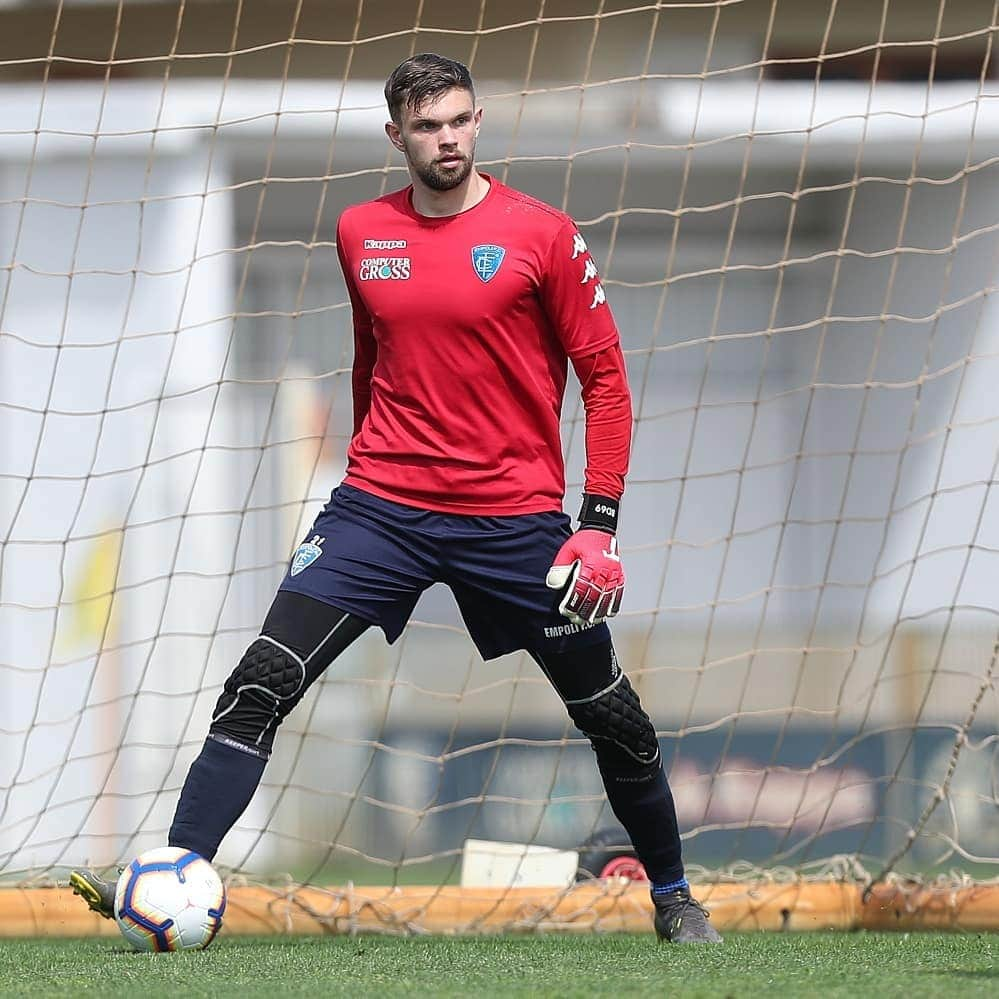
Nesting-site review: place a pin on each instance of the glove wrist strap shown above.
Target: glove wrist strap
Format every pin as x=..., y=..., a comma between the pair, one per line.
x=599, y=512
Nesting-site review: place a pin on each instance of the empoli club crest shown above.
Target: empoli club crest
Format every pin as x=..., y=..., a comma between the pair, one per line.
x=306, y=554
x=486, y=259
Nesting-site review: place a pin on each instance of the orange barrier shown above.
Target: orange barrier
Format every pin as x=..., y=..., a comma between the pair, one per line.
x=920, y=907
x=602, y=907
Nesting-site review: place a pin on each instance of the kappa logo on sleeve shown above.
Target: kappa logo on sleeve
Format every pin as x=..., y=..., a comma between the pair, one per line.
x=589, y=270
x=486, y=259
x=306, y=554
x=384, y=269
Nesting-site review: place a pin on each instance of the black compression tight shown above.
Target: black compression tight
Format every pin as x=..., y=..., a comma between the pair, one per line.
x=605, y=708
x=299, y=639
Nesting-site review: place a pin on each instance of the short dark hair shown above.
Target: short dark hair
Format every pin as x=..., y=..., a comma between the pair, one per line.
x=422, y=78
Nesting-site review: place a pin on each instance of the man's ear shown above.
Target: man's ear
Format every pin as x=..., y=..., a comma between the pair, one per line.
x=394, y=135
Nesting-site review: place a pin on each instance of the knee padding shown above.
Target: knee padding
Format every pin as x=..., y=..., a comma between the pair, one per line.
x=268, y=682
x=616, y=723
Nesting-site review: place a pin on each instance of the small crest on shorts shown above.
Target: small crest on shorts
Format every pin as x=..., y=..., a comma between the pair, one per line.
x=486, y=259
x=306, y=554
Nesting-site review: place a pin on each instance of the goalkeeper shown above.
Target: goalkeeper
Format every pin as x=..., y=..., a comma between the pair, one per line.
x=469, y=300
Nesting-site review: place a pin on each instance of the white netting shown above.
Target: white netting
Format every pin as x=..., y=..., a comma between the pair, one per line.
x=795, y=208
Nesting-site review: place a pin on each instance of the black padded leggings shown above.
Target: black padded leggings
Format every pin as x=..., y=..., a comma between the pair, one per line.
x=604, y=707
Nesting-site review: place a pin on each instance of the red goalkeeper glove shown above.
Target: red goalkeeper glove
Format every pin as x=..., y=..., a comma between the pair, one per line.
x=588, y=566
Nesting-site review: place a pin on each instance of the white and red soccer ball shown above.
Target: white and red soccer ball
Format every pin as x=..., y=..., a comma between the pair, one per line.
x=169, y=899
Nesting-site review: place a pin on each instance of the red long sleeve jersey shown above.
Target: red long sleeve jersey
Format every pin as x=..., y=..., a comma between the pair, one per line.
x=462, y=330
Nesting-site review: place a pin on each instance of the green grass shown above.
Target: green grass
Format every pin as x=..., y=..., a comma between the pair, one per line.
x=780, y=965
x=340, y=871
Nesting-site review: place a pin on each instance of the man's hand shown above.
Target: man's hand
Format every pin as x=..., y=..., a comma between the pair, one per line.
x=589, y=568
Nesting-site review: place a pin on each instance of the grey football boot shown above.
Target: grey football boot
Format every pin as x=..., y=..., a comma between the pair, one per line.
x=95, y=891
x=679, y=918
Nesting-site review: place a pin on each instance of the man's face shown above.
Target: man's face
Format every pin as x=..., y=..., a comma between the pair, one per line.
x=438, y=140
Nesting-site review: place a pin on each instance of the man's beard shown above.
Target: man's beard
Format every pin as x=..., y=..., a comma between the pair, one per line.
x=441, y=178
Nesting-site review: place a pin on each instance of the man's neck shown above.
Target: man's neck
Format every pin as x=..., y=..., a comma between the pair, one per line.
x=440, y=204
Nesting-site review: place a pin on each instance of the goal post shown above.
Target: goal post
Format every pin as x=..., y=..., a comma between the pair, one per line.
x=795, y=209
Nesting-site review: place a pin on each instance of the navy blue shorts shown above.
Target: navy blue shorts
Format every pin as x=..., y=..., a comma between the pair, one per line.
x=373, y=558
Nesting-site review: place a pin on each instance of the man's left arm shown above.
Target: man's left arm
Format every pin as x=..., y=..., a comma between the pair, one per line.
x=588, y=565
x=603, y=381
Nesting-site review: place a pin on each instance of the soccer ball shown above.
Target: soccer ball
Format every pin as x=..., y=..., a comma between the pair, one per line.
x=169, y=899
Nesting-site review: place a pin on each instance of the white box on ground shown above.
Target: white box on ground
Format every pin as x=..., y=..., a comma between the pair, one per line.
x=485, y=863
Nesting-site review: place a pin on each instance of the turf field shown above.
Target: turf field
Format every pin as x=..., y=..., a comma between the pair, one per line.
x=825, y=965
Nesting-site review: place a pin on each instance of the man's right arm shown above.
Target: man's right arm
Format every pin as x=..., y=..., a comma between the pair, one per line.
x=365, y=345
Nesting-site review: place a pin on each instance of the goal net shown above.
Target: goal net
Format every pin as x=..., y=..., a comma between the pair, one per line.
x=795, y=208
